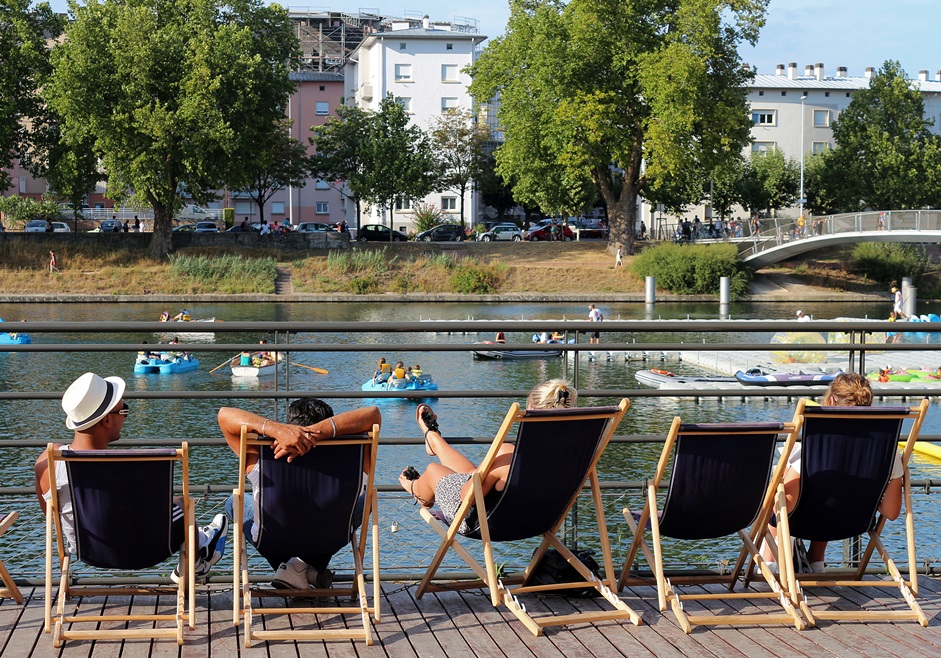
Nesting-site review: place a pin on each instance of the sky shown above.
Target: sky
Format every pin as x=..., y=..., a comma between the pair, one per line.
x=851, y=33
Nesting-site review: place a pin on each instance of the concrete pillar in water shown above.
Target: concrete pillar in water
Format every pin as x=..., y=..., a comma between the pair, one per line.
x=909, y=300
x=650, y=290
x=725, y=297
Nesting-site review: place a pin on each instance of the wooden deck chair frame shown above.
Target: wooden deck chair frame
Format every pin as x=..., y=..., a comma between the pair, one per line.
x=506, y=590
x=242, y=608
x=667, y=594
x=62, y=625
x=908, y=589
x=9, y=589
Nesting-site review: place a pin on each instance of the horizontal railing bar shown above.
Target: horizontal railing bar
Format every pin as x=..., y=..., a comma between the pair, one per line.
x=452, y=326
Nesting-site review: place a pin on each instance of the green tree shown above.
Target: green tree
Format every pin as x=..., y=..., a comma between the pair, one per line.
x=338, y=158
x=459, y=141
x=72, y=172
x=885, y=155
x=820, y=187
x=24, y=66
x=769, y=181
x=171, y=93
x=279, y=161
x=618, y=96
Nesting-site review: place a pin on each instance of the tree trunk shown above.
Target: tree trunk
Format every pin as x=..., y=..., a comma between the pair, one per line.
x=161, y=242
x=261, y=208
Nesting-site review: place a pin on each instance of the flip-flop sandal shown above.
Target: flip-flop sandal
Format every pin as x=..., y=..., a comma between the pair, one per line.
x=430, y=419
x=411, y=474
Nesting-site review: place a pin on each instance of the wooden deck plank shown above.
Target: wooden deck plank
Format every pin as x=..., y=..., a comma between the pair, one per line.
x=465, y=624
x=140, y=605
x=26, y=622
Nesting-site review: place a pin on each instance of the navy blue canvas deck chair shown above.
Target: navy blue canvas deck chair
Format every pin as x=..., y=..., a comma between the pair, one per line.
x=9, y=589
x=556, y=452
x=122, y=510
x=847, y=455
x=721, y=484
x=305, y=507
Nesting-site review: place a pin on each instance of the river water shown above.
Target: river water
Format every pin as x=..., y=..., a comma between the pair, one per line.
x=152, y=419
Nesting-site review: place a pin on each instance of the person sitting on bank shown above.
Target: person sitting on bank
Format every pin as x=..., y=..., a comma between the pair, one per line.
x=500, y=338
x=307, y=420
x=383, y=371
x=95, y=412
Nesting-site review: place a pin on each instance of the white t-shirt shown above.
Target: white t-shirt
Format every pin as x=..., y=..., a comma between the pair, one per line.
x=794, y=461
x=594, y=315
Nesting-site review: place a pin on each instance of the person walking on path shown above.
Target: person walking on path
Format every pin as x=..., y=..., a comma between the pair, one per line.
x=52, y=262
x=897, y=312
x=618, y=259
x=594, y=315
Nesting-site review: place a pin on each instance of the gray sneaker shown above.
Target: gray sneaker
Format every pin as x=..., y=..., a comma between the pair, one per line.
x=320, y=579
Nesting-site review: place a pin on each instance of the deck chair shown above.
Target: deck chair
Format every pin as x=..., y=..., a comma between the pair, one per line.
x=306, y=508
x=721, y=484
x=556, y=452
x=122, y=508
x=9, y=589
x=846, y=462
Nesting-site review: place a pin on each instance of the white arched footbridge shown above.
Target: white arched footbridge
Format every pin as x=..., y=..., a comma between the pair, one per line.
x=785, y=239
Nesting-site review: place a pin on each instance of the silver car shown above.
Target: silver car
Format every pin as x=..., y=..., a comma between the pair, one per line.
x=37, y=226
x=509, y=232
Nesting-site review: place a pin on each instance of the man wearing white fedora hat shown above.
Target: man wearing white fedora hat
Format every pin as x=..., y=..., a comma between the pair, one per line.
x=95, y=412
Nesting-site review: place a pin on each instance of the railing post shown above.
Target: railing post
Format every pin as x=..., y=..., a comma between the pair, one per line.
x=650, y=290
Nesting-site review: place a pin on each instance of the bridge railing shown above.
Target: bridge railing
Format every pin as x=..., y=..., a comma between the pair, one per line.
x=776, y=232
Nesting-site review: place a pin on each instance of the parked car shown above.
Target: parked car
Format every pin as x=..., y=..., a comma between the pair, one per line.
x=313, y=227
x=60, y=227
x=442, y=233
x=185, y=228
x=587, y=228
x=37, y=226
x=544, y=232
x=238, y=228
x=378, y=233
x=502, y=232
x=111, y=226
x=206, y=227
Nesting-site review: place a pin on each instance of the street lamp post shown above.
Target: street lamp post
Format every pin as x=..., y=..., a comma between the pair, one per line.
x=801, y=201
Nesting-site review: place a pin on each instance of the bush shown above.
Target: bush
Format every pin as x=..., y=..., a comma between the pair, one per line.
x=426, y=216
x=19, y=210
x=359, y=261
x=364, y=285
x=693, y=269
x=471, y=278
x=888, y=262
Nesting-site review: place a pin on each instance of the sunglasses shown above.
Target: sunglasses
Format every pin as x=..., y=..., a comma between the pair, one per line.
x=124, y=410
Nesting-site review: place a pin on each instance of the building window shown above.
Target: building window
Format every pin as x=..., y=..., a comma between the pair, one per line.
x=277, y=207
x=761, y=93
x=403, y=72
x=763, y=117
x=245, y=207
x=449, y=73
x=448, y=104
x=401, y=45
x=820, y=147
x=321, y=184
x=323, y=208
x=784, y=93
x=403, y=204
x=449, y=46
x=762, y=147
x=821, y=118
x=405, y=102
x=323, y=88
x=449, y=203
x=323, y=107
x=826, y=94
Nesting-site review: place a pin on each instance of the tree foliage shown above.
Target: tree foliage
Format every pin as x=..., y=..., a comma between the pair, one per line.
x=459, y=142
x=172, y=93
x=769, y=181
x=616, y=96
x=279, y=161
x=378, y=154
x=24, y=67
x=886, y=155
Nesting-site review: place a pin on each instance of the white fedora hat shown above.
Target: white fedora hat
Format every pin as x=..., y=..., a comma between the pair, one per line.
x=89, y=399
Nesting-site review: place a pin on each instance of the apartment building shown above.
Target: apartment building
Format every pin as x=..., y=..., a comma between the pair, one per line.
x=422, y=64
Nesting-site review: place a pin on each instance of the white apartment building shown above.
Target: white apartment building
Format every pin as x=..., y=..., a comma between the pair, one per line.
x=794, y=112
x=422, y=65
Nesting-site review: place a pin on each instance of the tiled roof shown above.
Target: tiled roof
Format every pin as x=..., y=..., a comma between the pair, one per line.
x=315, y=76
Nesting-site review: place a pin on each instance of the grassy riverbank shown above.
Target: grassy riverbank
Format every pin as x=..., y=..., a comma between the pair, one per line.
x=540, y=267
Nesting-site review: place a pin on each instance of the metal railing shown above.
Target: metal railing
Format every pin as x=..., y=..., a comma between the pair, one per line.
x=21, y=547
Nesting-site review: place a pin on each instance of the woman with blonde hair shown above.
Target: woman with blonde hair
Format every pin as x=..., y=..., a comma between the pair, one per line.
x=447, y=481
x=848, y=389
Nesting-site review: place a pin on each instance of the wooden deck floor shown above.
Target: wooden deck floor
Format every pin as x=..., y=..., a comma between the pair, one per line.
x=466, y=625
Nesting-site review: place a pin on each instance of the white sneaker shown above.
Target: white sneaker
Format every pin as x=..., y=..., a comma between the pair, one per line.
x=818, y=567
x=292, y=575
x=211, y=547
x=320, y=579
